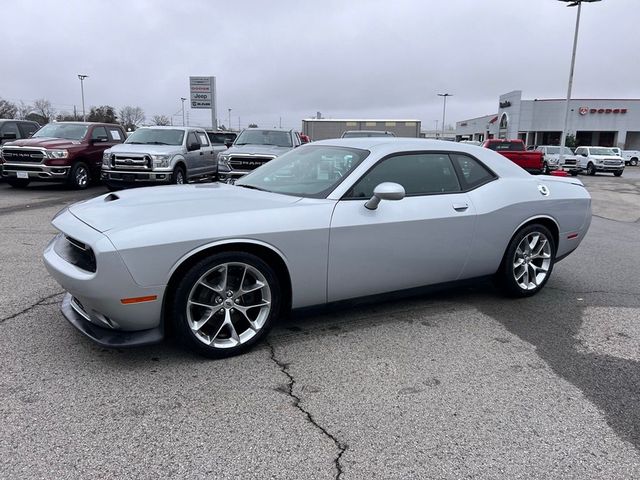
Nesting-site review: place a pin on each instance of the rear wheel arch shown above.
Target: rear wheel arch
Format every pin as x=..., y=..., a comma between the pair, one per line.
x=547, y=222
x=266, y=253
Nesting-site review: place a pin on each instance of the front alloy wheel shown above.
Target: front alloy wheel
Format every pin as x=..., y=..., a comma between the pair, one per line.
x=591, y=169
x=528, y=261
x=226, y=303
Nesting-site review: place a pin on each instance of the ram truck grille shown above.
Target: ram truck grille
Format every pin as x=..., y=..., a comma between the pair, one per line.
x=11, y=155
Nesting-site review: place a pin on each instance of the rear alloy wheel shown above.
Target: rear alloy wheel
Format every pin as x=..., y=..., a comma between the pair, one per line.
x=591, y=169
x=226, y=303
x=79, y=177
x=528, y=261
x=18, y=182
x=178, y=177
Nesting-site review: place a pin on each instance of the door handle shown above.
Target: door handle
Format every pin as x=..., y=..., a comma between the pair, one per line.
x=460, y=207
x=201, y=153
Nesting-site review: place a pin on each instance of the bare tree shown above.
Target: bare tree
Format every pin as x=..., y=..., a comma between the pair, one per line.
x=7, y=109
x=44, y=108
x=24, y=109
x=130, y=117
x=160, y=120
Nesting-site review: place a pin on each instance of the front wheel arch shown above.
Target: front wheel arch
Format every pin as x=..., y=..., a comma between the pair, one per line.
x=268, y=255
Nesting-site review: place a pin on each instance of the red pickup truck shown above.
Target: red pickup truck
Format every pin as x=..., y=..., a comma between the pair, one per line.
x=69, y=152
x=515, y=150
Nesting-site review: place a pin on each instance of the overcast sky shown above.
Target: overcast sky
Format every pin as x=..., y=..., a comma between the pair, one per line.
x=290, y=58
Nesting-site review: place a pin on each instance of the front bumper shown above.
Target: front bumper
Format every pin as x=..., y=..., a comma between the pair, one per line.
x=609, y=168
x=35, y=171
x=98, y=295
x=128, y=176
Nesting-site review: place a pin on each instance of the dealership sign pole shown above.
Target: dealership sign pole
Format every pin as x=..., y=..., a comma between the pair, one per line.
x=203, y=95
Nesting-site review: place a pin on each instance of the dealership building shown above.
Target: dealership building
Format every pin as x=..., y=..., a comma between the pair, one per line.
x=323, y=128
x=603, y=122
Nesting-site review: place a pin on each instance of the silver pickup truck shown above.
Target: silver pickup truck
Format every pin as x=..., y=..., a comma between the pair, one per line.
x=156, y=155
x=254, y=147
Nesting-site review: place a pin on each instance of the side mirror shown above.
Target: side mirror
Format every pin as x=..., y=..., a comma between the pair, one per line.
x=9, y=136
x=584, y=154
x=385, y=191
x=193, y=146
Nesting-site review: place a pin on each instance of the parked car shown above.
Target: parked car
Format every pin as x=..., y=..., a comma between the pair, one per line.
x=68, y=152
x=304, y=138
x=156, y=155
x=366, y=133
x=551, y=159
x=630, y=157
x=600, y=159
x=253, y=148
x=329, y=221
x=515, y=151
x=16, y=130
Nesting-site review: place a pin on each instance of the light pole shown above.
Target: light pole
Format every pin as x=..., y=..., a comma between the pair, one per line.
x=436, y=130
x=82, y=77
x=182, y=99
x=444, y=108
x=563, y=138
x=229, y=122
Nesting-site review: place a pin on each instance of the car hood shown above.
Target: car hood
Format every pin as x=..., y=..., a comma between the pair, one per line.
x=44, y=142
x=141, y=206
x=257, y=150
x=150, y=149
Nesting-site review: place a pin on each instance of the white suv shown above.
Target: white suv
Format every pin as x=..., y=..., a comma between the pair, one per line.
x=600, y=159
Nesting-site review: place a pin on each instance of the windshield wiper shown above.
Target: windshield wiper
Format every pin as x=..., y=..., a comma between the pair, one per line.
x=135, y=143
x=252, y=187
x=157, y=143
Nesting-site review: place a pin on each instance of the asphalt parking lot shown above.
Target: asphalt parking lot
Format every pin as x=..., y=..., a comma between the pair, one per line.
x=456, y=383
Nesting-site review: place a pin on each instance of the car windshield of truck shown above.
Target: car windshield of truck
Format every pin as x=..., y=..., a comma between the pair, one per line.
x=156, y=136
x=556, y=151
x=506, y=146
x=602, y=151
x=264, y=137
x=308, y=171
x=221, y=138
x=62, y=130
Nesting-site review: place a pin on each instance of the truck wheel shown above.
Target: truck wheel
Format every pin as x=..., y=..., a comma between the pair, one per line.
x=545, y=168
x=79, y=176
x=618, y=173
x=178, y=177
x=633, y=162
x=18, y=182
x=591, y=169
x=573, y=173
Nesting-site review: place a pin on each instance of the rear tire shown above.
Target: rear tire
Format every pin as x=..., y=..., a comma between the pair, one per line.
x=528, y=261
x=79, y=176
x=225, y=304
x=633, y=162
x=18, y=182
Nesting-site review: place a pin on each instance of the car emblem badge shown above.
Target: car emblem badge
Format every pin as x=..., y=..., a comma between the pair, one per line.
x=543, y=189
x=583, y=110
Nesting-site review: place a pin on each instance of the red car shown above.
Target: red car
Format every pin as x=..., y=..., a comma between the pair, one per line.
x=515, y=150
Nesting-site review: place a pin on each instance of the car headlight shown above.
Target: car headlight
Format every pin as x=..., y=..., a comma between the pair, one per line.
x=57, y=153
x=161, y=161
x=599, y=161
x=106, y=157
x=223, y=160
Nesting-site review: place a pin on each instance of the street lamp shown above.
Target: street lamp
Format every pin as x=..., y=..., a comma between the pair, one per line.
x=436, y=130
x=563, y=138
x=82, y=77
x=229, y=122
x=183, y=99
x=444, y=108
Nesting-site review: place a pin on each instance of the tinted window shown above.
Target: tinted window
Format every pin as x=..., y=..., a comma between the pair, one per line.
x=419, y=174
x=28, y=129
x=9, y=127
x=472, y=172
x=99, y=132
x=191, y=138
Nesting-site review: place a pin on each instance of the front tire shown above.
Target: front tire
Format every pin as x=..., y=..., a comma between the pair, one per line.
x=618, y=173
x=633, y=162
x=79, y=176
x=178, y=177
x=591, y=169
x=18, y=182
x=225, y=304
x=528, y=261
x=545, y=168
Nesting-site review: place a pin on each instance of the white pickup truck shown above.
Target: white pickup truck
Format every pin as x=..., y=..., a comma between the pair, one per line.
x=630, y=157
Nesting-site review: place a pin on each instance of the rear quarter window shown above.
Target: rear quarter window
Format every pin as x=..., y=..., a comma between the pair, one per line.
x=471, y=171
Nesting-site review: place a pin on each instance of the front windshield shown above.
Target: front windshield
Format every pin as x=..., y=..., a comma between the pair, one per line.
x=156, y=136
x=308, y=171
x=264, y=137
x=602, y=151
x=68, y=131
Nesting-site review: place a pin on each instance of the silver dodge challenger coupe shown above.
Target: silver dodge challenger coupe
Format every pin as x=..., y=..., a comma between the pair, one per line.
x=328, y=221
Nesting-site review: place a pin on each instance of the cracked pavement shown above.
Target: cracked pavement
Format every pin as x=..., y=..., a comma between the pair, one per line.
x=453, y=383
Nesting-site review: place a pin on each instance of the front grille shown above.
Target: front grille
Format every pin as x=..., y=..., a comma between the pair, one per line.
x=248, y=163
x=76, y=253
x=130, y=161
x=22, y=155
x=615, y=163
x=570, y=161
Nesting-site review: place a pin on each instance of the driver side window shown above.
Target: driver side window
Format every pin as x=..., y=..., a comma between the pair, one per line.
x=419, y=174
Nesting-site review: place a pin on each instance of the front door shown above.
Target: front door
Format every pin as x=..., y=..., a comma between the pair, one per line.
x=420, y=240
